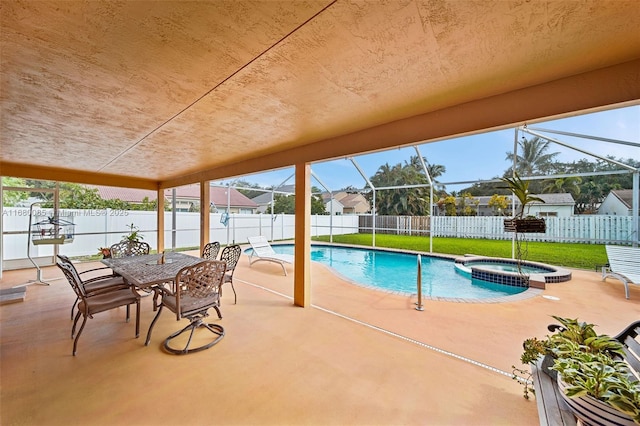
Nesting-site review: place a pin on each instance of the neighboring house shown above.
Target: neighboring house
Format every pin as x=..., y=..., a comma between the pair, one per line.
x=187, y=197
x=331, y=205
x=618, y=202
x=555, y=205
x=130, y=195
x=263, y=201
x=351, y=203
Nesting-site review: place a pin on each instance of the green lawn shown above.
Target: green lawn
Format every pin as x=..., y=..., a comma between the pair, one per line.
x=572, y=255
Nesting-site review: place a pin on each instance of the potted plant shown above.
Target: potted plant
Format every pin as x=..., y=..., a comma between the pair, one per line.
x=521, y=223
x=105, y=252
x=533, y=349
x=591, y=372
x=133, y=236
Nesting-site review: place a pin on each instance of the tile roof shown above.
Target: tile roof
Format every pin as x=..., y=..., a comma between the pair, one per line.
x=189, y=192
x=129, y=195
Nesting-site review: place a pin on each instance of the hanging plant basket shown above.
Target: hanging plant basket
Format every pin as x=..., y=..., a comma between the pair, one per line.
x=527, y=225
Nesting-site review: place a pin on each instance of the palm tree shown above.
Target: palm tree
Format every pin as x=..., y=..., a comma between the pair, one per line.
x=534, y=157
x=403, y=201
x=568, y=184
x=520, y=189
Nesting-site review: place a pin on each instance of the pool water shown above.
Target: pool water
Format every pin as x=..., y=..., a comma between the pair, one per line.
x=397, y=272
x=506, y=267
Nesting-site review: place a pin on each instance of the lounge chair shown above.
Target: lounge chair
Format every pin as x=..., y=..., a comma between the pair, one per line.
x=262, y=250
x=624, y=264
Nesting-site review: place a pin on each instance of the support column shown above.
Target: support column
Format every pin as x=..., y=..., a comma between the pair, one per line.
x=205, y=217
x=160, y=220
x=302, y=265
x=635, y=208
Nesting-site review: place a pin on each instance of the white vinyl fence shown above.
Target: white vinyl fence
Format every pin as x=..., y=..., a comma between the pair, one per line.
x=591, y=229
x=102, y=228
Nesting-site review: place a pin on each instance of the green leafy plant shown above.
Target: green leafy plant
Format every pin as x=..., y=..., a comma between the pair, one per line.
x=599, y=375
x=524, y=378
x=134, y=234
x=533, y=349
x=520, y=189
x=589, y=363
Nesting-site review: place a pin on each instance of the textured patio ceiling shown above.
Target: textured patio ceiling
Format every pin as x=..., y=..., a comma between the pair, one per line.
x=174, y=92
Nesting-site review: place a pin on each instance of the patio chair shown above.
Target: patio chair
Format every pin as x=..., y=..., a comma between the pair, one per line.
x=94, y=285
x=262, y=250
x=624, y=265
x=231, y=255
x=196, y=289
x=88, y=305
x=129, y=248
x=132, y=248
x=210, y=251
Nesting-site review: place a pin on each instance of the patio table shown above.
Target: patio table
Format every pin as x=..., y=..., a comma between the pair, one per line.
x=144, y=272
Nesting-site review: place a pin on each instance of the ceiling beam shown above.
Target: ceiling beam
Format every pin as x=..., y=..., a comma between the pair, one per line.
x=28, y=171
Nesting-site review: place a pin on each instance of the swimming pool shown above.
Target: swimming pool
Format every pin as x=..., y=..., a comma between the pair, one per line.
x=397, y=272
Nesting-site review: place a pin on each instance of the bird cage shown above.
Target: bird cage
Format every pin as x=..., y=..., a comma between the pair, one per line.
x=52, y=230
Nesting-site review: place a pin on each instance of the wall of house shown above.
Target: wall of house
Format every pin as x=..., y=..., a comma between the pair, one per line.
x=336, y=205
x=613, y=206
x=549, y=210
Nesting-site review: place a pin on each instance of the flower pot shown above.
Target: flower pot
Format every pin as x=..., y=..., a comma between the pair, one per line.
x=593, y=412
x=527, y=225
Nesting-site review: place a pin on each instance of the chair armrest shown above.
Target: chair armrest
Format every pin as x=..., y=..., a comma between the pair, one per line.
x=100, y=277
x=109, y=289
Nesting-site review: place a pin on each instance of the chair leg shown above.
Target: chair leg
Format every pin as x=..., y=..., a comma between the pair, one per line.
x=73, y=328
x=218, y=311
x=75, y=342
x=235, y=296
x=146, y=343
x=73, y=307
x=155, y=300
x=626, y=289
x=217, y=329
x=138, y=318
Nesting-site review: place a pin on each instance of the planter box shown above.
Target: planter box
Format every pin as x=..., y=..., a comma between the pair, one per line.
x=529, y=225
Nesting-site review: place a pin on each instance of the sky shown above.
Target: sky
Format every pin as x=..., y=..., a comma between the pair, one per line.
x=478, y=157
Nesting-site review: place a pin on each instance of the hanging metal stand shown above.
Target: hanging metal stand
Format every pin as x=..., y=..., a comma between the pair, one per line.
x=53, y=230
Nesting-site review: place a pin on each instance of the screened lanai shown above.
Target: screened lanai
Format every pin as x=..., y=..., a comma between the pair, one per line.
x=158, y=95
x=349, y=172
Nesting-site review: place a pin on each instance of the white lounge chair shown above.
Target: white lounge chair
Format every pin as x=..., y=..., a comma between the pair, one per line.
x=624, y=264
x=262, y=250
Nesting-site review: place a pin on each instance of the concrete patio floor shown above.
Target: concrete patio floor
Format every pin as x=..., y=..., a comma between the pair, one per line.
x=357, y=357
